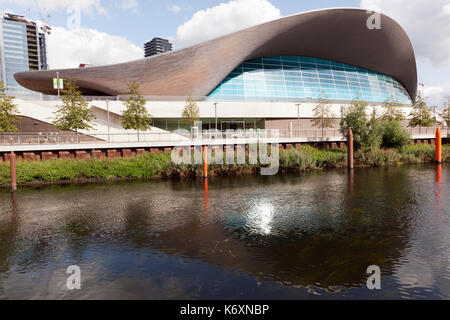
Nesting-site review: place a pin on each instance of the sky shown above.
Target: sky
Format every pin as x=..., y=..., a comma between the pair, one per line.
x=102, y=32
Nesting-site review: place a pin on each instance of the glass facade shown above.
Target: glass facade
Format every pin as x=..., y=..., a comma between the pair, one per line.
x=15, y=52
x=290, y=78
x=15, y=55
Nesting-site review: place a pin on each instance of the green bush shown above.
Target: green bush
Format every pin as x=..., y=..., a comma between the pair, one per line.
x=394, y=135
x=160, y=165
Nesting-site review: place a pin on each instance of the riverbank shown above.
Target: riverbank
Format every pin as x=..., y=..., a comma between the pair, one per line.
x=150, y=166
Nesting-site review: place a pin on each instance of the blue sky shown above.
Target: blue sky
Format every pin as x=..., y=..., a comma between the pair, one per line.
x=152, y=17
x=115, y=30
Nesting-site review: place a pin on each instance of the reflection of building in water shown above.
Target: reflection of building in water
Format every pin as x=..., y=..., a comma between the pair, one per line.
x=303, y=232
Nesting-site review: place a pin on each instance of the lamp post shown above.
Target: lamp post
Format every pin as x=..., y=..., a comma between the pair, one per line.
x=434, y=114
x=57, y=83
x=298, y=117
x=448, y=116
x=107, y=113
x=215, y=109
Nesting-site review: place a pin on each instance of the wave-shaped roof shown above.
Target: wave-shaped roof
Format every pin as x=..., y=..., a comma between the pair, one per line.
x=339, y=35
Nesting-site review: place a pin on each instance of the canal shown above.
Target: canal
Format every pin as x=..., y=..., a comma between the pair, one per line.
x=308, y=236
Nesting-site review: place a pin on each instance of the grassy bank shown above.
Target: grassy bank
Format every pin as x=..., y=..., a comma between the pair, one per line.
x=160, y=165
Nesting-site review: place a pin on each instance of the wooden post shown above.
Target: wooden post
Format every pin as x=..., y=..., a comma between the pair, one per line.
x=350, y=149
x=205, y=162
x=438, y=145
x=12, y=160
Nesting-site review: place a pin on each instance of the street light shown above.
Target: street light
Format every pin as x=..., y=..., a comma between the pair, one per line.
x=434, y=114
x=57, y=81
x=215, y=108
x=298, y=117
x=107, y=112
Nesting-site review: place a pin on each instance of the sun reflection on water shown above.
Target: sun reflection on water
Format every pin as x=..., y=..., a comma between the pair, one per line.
x=260, y=219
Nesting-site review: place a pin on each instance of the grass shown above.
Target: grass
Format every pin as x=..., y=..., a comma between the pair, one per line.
x=160, y=165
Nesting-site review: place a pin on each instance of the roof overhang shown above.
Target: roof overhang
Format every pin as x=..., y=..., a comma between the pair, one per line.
x=339, y=35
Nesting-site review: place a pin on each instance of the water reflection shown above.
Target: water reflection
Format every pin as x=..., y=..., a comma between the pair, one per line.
x=266, y=237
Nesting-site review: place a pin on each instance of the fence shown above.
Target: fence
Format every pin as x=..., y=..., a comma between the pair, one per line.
x=55, y=138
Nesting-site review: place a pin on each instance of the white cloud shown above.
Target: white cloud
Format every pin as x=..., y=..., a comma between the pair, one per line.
x=85, y=5
x=175, y=9
x=435, y=94
x=446, y=9
x=67, y=49
x=425, y=22
x=223, y=19
x=131, y=5
x=428, y=26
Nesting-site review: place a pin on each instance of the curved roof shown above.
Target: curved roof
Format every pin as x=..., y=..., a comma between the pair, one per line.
x=339, y=35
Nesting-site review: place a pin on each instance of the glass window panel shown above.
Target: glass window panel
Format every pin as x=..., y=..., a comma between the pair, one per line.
x=286, y=77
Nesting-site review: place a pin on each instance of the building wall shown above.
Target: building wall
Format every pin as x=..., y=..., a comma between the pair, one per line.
x=27, y=124
x=43, y=52
x=19, y=52
x=270, y=115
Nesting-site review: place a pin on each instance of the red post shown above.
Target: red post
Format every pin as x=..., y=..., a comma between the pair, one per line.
x=438, y=145
x=350, y=149
x=205, y=162
x=12, y=160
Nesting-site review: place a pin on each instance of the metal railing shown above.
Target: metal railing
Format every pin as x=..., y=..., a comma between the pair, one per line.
x=55, y=138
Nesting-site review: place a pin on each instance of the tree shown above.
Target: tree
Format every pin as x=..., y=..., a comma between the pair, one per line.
x=445, y=113
x=323, y=116
x=392, y=111
x=355, y=117
x=136, y=115
x=421, y=114
x=373, y=137
x=74, y=114
x=191, y=112
x=8, y=111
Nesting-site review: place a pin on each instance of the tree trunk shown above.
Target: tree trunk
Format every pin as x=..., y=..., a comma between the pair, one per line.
x=139, y=138
x=76, y=132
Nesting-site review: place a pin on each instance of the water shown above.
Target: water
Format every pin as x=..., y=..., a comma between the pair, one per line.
x=310, y=236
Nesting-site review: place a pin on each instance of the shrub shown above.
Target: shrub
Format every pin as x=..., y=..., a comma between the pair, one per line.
x=394, y=135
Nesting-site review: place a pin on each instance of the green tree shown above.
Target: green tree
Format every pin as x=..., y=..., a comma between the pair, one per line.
x=392, y=111
x=136, y=116
x=421, y=114
x=8, y=111
x=191, y=112
x=74, y=114
x=323, y=116
x=373, y=137
x=355, y=117
x=445, y=114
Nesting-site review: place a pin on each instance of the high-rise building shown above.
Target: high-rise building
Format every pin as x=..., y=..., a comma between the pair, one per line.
x=22, y=48
x=43, y=51
x=157, y=46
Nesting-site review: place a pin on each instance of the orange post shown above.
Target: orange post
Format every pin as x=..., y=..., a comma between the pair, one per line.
x=350, y=149
x=12, y=160
x=439, y=173
x=205, y=162
x=438, y=146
